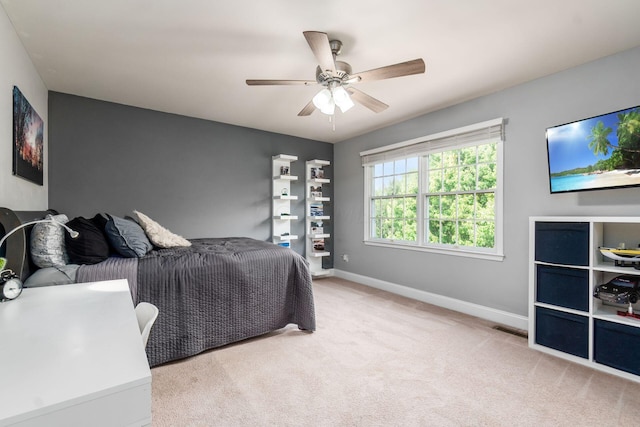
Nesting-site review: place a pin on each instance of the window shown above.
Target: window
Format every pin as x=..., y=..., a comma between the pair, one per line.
x=460, y=196
x=394, y=200
x=439, y=193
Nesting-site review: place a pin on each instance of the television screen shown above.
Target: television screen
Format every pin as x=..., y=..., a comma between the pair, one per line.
x=596, y=153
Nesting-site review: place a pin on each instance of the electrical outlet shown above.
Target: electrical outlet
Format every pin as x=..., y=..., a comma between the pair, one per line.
x=345, y=258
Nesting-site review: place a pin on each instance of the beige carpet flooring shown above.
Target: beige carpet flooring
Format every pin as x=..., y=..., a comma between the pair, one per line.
x=378, y=359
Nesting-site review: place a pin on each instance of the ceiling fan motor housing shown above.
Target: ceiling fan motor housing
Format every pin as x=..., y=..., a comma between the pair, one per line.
x=343, y=72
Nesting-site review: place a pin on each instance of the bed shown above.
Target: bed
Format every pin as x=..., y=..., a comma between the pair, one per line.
x=214, y=292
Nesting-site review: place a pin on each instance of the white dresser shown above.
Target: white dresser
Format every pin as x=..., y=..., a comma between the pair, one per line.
x=72, y=355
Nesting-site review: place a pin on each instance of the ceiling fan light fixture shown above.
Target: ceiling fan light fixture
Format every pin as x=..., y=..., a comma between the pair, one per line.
x=324, y=102
x=327, y=99
x=322, y=98
x=342, y=99
x=329, y=108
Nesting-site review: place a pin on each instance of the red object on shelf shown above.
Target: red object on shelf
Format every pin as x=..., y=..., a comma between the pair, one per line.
x=627, y=314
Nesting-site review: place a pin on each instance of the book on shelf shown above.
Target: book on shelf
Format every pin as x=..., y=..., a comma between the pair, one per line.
x=318, y=245
x=316, y=209
x=315, y=191
x=316, y=227
x=317, y=173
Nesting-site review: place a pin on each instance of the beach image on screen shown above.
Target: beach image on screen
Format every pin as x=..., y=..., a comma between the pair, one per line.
x=596, y=153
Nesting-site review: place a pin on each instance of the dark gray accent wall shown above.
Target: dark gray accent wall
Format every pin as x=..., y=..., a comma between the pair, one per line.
x=196, y=177
x=603, y=86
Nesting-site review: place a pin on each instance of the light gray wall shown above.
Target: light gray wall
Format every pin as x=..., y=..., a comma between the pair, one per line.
x=599, y=87
x=18, y=70
x=196, y=177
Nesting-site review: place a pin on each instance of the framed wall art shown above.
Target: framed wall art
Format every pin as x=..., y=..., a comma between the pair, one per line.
x=28, y=140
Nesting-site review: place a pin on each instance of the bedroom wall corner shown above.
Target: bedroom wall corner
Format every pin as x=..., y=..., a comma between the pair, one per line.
x=18, y=70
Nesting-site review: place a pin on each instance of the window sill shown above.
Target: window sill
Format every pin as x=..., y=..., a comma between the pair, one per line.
x=443, y=251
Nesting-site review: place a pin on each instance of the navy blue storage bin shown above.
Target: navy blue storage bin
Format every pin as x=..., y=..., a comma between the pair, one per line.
x=566, y=332
x=562, y=242
x=566, y=287
x=617, y=345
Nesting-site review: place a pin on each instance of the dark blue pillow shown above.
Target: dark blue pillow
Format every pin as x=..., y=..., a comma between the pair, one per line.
x=126, y=237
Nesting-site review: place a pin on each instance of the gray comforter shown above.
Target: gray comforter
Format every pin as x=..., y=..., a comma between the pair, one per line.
x=216, y=292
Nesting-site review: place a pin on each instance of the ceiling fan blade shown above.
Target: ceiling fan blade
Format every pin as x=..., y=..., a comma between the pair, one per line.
x=281, y=82
x=407, y=68
x=367, y=100
x=319, y=44
x=308, y=109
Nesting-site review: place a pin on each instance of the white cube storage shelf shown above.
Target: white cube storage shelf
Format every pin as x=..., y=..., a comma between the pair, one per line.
x=565, y=267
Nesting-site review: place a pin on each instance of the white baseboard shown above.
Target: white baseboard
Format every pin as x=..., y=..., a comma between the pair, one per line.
x=488, y=313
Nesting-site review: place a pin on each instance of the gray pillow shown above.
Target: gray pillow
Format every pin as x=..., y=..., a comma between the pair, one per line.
x=47, y=243
x=126, y=237
x=49, y=276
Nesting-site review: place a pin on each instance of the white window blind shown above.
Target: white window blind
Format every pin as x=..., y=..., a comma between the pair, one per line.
x=492, y=129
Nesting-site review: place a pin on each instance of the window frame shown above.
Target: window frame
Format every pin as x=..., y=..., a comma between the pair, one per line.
x=444, y=141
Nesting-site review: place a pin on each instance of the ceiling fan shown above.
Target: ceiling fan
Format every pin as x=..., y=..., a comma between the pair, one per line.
x=337, y=78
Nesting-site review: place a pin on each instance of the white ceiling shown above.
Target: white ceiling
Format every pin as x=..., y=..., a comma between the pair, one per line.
x=192, y=57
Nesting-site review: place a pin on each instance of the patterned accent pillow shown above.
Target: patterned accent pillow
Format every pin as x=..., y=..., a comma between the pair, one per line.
x=159, y=236
x=47, y=243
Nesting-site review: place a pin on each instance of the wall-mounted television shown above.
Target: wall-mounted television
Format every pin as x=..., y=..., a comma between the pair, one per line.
x=596, y=153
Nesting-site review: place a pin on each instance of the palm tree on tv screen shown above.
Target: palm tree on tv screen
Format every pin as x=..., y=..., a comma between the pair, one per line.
x=626, y=155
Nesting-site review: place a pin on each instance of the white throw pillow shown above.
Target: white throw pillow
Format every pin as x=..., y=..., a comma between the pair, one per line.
x=159, y=236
